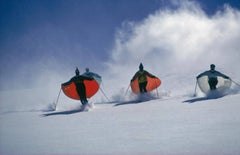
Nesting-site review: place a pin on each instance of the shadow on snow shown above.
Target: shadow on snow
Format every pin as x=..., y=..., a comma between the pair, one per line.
x=210, y=96
x=67, y=112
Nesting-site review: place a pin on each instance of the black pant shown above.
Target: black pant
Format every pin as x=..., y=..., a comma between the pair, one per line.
x=213, y=81
x=142, y=87
x=81, y=90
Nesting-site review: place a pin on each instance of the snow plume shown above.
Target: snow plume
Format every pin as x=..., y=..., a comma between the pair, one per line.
x=176, y=45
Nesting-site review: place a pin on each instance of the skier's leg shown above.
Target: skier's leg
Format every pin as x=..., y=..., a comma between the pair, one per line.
x=212, y=83
x=144, y=87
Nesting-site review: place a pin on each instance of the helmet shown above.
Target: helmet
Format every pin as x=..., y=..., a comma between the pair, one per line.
x=212, y=67
x=77, y=71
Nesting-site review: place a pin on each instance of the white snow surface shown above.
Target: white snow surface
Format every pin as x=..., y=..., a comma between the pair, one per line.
x=167, y=125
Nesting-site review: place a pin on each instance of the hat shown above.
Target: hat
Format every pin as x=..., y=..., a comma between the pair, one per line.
x=141, y=66
x=77, y=71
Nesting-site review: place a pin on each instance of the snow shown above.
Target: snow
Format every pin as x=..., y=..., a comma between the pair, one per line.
x=161, y=126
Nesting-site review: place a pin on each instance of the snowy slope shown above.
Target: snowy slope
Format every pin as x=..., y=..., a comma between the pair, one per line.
x=162, y=126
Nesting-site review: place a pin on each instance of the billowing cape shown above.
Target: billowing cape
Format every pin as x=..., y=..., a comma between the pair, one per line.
x=152, y=84
x=69, y=89
x=223, y=84
x=97, y=77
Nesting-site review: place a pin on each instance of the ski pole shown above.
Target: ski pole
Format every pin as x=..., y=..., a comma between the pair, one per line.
x=195, y=89
x=58, y=98
x=104, y=94
x=235, y=83
x=126, y=91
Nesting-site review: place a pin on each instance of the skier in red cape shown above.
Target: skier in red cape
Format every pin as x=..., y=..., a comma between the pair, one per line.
x=142, y=78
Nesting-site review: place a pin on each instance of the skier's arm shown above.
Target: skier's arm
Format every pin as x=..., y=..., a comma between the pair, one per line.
x=91, y=74
x=96, y=75
x=202, y=74
x=222, y=75
x=87, y=78
x=134, y=77
x=67, y=83
x=150, y=75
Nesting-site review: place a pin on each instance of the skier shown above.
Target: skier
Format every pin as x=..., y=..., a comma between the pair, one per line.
x=80, y=87
x=142, y=78
x=212, y=76
x=97, y=77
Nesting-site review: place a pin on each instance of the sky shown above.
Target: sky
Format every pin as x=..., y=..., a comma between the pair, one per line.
x=42, y=41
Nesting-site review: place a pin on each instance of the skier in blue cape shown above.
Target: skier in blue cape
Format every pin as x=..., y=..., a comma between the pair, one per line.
x=97, y=77
x=212, y=75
